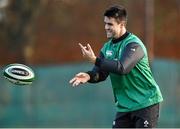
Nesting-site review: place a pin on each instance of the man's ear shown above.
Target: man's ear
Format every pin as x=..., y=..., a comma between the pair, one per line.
x=122, y=23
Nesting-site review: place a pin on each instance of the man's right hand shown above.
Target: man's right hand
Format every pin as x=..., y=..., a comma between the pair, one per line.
x=79, y=78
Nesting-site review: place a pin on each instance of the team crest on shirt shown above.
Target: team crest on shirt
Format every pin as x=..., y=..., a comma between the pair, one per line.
x=109, y=53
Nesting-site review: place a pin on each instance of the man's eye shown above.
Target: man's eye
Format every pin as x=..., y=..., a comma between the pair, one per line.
x=110, y=24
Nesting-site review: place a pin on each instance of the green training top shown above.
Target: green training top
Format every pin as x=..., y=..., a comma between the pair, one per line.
x=137, y=89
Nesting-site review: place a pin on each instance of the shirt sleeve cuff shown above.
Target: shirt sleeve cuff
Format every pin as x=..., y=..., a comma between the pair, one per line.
x=98, y=62
x=91, y=74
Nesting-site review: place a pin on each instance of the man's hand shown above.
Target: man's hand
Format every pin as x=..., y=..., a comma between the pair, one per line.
x=88, y=53
x=79, y=78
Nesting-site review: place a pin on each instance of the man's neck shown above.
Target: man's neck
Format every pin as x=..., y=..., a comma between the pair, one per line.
x=123, y=31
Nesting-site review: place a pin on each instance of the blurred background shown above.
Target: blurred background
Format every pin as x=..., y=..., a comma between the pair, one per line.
x=44, y=34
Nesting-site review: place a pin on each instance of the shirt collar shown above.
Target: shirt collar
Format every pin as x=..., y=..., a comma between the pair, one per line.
x=114, y=41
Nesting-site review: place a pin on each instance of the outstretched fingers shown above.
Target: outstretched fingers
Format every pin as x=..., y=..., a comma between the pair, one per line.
x=75, y=81
x=83, y=48
x=89, y=48
x=72, y=80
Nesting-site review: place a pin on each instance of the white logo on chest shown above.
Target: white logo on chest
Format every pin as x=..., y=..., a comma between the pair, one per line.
x=109, y=53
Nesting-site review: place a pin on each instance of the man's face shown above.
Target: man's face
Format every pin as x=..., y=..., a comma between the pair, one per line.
x=112, y=27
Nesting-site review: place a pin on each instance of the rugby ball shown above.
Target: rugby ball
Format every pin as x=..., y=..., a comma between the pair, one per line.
x=19, y=74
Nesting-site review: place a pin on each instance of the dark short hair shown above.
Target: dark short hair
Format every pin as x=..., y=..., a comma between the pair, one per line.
x=117, y=12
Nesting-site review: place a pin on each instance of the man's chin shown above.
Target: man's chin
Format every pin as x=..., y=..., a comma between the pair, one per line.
x=109, y=36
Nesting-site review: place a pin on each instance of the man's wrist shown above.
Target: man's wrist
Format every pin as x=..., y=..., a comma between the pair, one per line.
x=93, y=60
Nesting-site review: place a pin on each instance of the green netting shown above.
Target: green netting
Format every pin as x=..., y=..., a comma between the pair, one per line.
x=51, y=102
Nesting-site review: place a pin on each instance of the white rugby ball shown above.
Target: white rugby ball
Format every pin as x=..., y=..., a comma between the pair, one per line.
x=19, y=74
